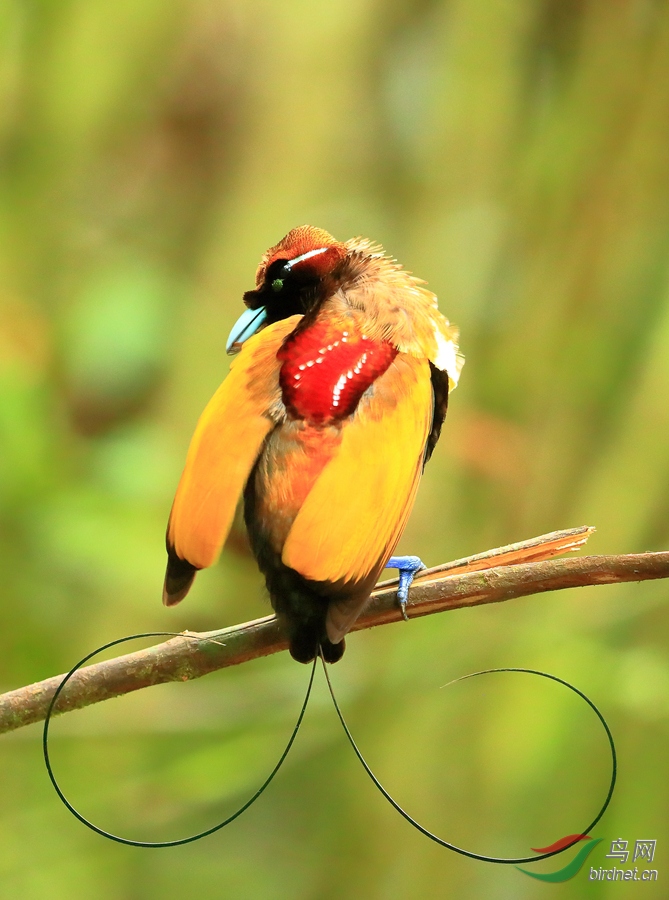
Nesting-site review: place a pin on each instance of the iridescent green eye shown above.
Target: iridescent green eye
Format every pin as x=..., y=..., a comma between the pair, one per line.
x=277, y=285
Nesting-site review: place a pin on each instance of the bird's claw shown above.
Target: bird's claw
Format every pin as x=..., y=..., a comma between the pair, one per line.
x=407, y=567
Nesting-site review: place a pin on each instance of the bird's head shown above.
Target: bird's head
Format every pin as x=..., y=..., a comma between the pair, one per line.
x=293, y=278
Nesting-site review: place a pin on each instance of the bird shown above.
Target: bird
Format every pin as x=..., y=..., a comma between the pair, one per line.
x=330, y=411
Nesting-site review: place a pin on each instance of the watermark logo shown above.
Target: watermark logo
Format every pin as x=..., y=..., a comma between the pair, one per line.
x=644, y=849
x=568, y=871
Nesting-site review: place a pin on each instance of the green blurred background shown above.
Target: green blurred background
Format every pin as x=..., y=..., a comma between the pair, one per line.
x=515, y=154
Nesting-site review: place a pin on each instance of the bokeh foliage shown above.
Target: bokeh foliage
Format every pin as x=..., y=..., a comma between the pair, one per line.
x=514, y=153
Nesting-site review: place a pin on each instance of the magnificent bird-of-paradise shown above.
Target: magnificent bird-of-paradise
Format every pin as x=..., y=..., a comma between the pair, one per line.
x=324, y=424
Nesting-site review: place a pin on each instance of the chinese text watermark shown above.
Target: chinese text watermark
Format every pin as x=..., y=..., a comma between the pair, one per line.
x=644, y=849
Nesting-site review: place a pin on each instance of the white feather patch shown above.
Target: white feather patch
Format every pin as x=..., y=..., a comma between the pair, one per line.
x=447, y=359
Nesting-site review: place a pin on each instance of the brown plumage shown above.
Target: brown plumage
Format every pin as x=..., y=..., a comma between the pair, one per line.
x=324, y=423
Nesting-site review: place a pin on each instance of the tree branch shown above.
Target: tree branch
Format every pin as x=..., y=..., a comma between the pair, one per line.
x=500, y=574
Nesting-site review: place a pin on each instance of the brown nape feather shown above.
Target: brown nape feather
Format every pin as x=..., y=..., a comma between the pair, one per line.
x=179, y=577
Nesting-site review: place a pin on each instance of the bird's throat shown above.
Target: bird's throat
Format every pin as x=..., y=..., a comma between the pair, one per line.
x=326, y=368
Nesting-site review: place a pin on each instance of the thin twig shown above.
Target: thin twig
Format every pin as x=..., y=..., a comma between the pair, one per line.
x=195, y=654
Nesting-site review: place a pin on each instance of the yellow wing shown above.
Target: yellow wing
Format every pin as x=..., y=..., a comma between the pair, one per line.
x=352, y=519
x=224, y=448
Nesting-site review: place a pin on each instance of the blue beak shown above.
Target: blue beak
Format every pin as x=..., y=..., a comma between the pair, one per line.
x=245, y=326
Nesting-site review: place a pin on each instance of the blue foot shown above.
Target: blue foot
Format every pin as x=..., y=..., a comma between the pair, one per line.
x=407, y=566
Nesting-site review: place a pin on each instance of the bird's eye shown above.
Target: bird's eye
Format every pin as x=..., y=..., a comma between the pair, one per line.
x=277, y=285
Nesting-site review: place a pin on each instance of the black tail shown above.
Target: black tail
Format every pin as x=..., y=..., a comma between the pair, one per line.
x=301, y=606
x=305, y=640
x=179, y=576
